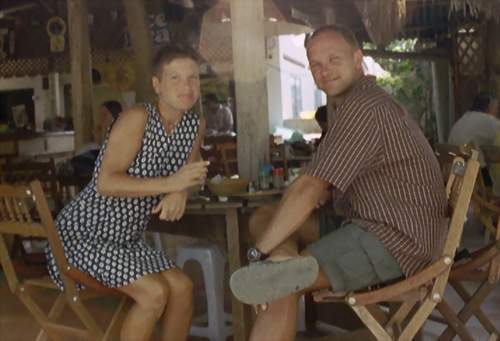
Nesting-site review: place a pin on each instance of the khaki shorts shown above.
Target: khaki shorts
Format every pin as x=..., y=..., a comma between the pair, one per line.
x=351, y=257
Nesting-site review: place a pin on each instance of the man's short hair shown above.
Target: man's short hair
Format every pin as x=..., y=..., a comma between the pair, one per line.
x=168, y=53
x=343, y=31
x=483, y=101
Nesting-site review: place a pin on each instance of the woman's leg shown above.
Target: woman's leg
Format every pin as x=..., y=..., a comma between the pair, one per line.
x=150, y=294
x=179, y=311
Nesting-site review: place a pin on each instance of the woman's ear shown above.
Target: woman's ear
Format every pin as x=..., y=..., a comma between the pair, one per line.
x=156, y=84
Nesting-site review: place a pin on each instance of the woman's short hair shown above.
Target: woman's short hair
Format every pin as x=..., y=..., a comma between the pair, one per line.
x=170, y=52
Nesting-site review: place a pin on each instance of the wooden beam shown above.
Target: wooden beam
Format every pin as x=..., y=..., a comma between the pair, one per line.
x=249, y=64
x=282, y=27
x=142, y=44
x=81, y=78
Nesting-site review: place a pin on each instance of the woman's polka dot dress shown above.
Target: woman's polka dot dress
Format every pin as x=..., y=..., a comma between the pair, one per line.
x=104, y=236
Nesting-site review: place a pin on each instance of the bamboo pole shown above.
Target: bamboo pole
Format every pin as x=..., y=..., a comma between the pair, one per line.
x=81, y=79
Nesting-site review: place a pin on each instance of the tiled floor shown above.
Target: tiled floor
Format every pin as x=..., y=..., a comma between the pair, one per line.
x=17, y=325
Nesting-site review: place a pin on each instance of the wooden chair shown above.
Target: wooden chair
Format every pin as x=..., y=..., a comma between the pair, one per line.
x=481, y=267
x=228, y=157
x=415, y=296
x=16, y=219
x=24, y=172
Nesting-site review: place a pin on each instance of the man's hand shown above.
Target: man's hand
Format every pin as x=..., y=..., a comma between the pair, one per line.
x=172, y=206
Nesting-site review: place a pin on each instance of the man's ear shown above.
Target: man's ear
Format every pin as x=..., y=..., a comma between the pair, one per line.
x=358, y=58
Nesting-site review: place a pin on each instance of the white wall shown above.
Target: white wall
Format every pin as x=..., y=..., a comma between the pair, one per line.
x=273, y=83
x=41, y=97
x=288, y=64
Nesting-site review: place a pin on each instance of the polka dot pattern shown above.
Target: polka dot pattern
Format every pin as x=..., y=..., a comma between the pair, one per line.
x=104, y=236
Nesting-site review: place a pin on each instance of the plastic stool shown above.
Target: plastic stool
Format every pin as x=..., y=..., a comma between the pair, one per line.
x=212, y=262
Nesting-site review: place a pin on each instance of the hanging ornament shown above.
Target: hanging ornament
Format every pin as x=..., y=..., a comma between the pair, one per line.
x=56, y=29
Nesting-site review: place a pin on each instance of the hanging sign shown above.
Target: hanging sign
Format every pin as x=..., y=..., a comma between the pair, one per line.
x=56, y=29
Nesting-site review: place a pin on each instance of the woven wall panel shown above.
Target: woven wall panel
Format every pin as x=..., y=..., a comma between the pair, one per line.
x=470, y=49
x=60, y=63
x=24, y=67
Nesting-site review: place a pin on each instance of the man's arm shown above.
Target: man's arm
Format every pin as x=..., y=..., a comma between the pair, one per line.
x=294, y=208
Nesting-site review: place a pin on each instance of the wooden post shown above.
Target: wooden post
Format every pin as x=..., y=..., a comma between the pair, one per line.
x=248, y=37
x=142, y=44
x=81, y=78
x=441, y=97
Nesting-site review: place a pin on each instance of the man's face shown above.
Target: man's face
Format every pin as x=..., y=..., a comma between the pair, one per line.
x=335, y=65
x=179, y=86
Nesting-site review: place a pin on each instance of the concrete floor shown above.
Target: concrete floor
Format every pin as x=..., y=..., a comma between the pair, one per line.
x=16, y=324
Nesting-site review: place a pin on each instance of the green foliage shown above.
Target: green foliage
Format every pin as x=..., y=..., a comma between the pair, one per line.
x=410, y=83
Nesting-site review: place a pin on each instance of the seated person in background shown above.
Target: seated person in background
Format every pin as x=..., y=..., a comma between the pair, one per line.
x=218, y=117
x=108, y=113
x=84, y=161
x=321, y=116
x=479, y=126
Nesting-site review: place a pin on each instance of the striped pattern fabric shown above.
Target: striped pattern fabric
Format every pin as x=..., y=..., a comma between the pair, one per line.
x=380, y=160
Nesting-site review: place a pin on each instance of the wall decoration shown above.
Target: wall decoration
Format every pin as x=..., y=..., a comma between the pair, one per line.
x=56, y=29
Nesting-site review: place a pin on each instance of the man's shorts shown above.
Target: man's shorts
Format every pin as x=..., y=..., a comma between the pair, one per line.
x=351, y=257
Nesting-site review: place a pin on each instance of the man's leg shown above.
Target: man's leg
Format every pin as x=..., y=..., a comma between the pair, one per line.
x=305, y=235
x=278, y=321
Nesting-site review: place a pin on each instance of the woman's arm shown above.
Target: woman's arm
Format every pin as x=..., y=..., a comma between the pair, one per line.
x=123, y=146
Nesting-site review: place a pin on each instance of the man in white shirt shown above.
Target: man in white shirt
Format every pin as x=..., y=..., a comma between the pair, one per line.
x=479, y=125
x=219, y=118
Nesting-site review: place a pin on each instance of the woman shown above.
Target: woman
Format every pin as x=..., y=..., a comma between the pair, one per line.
x=149, y=152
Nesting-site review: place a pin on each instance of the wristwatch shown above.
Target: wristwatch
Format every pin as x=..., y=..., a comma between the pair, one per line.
x=255, y=255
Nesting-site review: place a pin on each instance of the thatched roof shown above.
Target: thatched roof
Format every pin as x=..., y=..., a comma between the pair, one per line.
x=489, y=9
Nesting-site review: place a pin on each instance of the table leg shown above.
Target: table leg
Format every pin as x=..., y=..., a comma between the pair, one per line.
x=240, y=322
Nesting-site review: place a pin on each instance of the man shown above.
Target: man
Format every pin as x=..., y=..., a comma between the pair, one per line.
x=479, y=126
x=379, y=161
x=218, y=117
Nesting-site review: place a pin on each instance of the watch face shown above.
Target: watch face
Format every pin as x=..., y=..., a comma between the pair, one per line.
x=253, y=254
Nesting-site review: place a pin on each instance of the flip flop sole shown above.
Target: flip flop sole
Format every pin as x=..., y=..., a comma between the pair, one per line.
x=267, y=281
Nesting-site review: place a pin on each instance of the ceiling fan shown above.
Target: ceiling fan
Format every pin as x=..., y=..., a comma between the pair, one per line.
x=5, y=13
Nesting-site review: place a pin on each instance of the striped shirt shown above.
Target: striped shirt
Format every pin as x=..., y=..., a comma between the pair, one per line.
x=380, y=160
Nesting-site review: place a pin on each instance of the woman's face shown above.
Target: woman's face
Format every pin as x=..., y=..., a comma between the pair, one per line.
x=178, y=89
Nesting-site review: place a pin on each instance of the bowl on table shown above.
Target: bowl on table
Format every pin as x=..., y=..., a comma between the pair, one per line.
x=228, y=187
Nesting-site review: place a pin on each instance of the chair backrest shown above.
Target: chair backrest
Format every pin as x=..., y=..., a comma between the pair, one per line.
x=459, y=189
x=16, y=207
x=16, y=218
x=228, y=157
x=24, y=172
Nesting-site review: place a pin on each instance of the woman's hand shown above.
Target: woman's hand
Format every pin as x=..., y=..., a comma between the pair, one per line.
x=172, y=206
x=191, y=174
